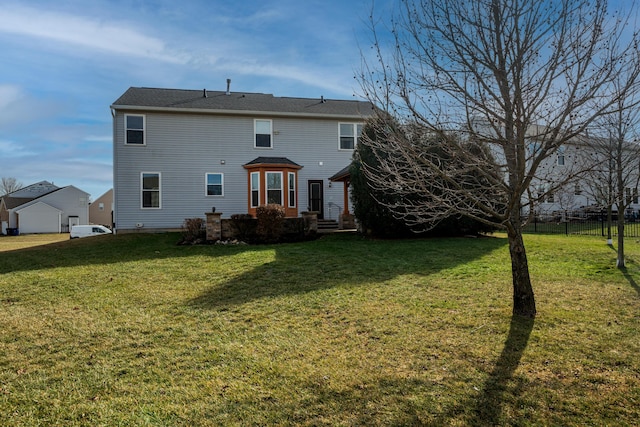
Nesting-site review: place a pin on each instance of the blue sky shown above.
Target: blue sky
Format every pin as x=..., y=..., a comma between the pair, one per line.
x=65, y=62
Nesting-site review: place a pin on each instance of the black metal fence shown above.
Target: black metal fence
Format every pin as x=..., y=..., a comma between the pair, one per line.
x=585, y=223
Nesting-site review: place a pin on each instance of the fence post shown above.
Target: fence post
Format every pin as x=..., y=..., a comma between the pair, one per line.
x=566, y=223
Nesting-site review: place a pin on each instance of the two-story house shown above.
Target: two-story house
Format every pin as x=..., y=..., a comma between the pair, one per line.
x=43, y=208
x=180, y=153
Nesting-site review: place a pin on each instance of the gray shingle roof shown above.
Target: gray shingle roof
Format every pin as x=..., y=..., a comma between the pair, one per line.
x=342, y=174
x=139, y=98
x=272, y=161
x=13, y=202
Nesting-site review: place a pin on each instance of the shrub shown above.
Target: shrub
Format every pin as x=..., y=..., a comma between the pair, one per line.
x=244, y=225
x=270, y=219
x=193, y=230
x=370, y=204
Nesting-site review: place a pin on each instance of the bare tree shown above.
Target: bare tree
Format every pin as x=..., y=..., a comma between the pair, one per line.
x=522, y=77
x=616, y=156
x=9, y=185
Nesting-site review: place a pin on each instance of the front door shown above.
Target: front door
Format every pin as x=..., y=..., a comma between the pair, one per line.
x=316, y=200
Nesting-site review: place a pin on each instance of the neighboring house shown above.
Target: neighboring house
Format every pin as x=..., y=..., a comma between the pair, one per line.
x=576, y=178
x=44, y=208
x=101, y=210
x=179, y=153
x=573, y=178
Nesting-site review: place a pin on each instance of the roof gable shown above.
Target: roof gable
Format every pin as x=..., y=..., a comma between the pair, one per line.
x=40, y=206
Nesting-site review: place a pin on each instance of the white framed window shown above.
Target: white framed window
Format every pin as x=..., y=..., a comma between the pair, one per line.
x=134, y=129
x=349, y=134
x=255, y=189
x=150, y=190
x=550, y=197
x=274, y=187
x=560, y=156
x=577, y=190
x=214, y=184
x=263, y=133
x=100, y=206
x=291, y=185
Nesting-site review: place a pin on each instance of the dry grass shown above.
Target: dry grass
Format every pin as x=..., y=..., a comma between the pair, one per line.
x=134, y=330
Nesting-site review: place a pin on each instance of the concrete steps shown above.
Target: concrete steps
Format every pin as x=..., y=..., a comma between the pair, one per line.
x=327, y=225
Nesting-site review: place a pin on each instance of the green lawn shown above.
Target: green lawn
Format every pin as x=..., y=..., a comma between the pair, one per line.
x=134, y=330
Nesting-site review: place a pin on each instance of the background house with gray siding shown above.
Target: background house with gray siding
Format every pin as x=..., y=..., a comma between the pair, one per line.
x=44, y=208
x=179, y=153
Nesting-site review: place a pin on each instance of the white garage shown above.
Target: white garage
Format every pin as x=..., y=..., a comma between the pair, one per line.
x=39, y=218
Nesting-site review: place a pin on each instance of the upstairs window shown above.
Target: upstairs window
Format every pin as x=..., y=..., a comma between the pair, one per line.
x=150, y=187
x=134, y=129
x=349, y=134
x=263, y=133
x=214, y=184
x=561, y=156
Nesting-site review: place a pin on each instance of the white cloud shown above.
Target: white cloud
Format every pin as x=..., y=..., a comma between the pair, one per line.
x=11, y=149
x=320, y=78
x=8, y=95
x=17, y=108
x=84, y=31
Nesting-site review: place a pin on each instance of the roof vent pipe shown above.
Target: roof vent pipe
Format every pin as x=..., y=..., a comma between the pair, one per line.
x=228, y=86
x=204, y=93
x=322, y=99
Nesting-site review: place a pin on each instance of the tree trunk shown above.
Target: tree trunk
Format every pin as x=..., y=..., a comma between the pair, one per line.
x=620, y=181
x=609, y=222
x=524, y=303
x=620, y=261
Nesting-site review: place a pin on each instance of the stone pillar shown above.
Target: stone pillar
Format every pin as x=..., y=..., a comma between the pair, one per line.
x=214, y=226
x=347, y=221
x=310, y=222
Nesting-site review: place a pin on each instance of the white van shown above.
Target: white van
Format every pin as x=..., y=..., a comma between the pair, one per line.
x=88, y=230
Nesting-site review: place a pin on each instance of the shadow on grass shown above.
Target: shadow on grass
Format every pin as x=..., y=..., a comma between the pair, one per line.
x=626, y=273
x=630, y=279
x=105, y=250
x=491, y=401
x=342, y=260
